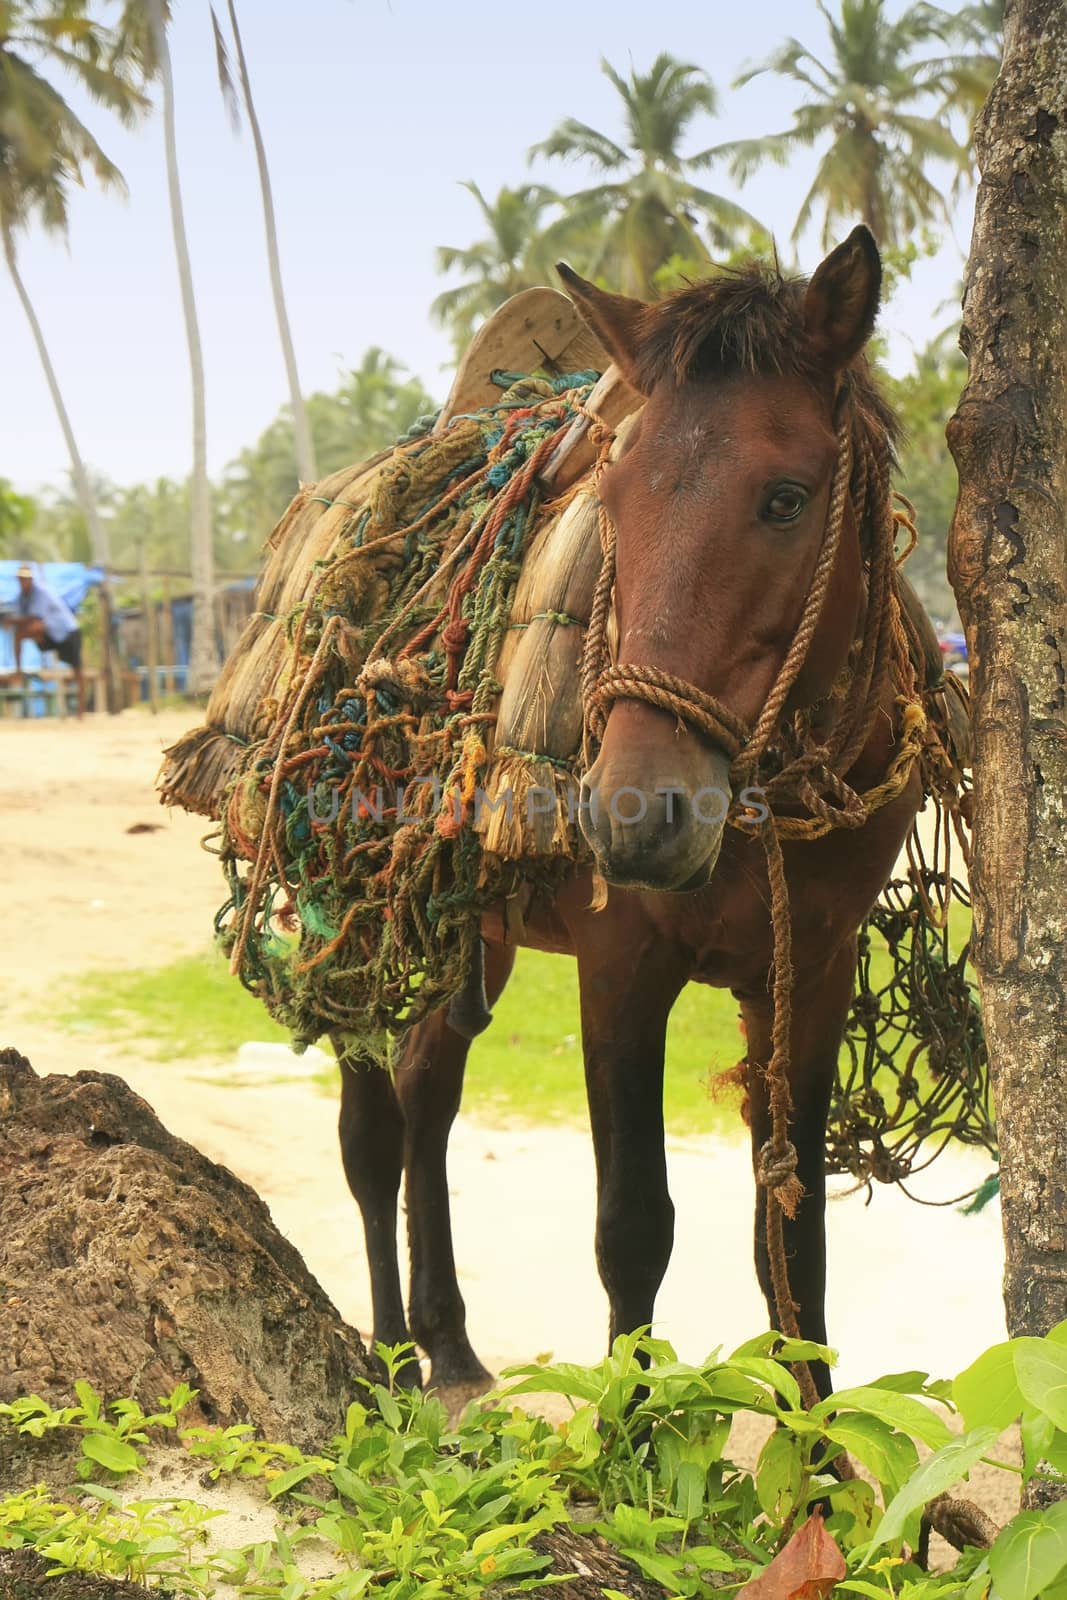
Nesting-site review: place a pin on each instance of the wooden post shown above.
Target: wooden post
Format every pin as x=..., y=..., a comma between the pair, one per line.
x=166, y=622
x=149, y=613
x=1008, y=566
x=108, y=673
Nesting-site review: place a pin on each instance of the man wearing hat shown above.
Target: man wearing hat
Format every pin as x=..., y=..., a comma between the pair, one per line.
x=50, y=623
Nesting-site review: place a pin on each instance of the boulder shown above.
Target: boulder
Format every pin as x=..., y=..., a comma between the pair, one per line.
x=130, y=1260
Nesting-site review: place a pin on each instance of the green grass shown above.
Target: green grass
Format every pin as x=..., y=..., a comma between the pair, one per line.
x=529, y=1063
x=192, y=1007
x=528, y=1066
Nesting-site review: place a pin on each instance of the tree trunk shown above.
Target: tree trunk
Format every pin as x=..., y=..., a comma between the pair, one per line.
x=83, y=488
x=1008, y=566
x=305, y=453
x=203, y=652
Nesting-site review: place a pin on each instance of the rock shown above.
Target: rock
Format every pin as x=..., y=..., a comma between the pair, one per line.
x=586, y=1564
x=24, y=1576
x=130, y=1260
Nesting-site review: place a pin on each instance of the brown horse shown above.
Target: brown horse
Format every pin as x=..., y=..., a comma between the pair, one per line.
x=739, y=619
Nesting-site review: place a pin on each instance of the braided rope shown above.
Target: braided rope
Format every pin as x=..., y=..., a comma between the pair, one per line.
x=668, y=693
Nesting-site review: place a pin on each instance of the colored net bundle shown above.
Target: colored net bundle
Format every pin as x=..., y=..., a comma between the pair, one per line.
x=355, y=881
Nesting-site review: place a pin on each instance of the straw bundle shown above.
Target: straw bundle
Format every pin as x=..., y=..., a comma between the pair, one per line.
x=531, y=804
x=197, y=770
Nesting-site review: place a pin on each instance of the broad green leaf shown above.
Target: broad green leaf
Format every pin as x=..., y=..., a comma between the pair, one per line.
x=901, y=1411
x=90, y=1400
x=805, y=1350
x=889, y=1455
x=710, y=1558
x=1058, y=1334
x=939, y=1473
x=780, y=1348
x=110, y=1452
x=565, y=1378
x=902, y=1382
x=689, y=1490
x=492, y=1537
x=390, y=1412
x=294, y=1475
x=778, y=1473
x=987, y=1392
x=1038, y=1437
x=773, y=1374
x=1041, y=1369
x=662, y=1569
x=1030, y=1553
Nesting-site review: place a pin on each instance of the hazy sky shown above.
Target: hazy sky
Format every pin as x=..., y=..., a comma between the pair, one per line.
x=372, y=111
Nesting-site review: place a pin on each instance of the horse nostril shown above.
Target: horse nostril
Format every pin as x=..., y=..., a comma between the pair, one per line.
x=594, y=823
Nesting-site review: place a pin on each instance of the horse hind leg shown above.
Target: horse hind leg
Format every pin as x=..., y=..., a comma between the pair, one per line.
x=429, y=1086
x=371, y=1129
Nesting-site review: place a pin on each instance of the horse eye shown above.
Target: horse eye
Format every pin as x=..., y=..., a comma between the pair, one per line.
x=785, y=504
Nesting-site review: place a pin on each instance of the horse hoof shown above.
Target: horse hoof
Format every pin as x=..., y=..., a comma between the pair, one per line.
x=456, y=1396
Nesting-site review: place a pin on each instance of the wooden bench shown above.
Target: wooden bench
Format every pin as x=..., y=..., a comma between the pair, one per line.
x=54, y=685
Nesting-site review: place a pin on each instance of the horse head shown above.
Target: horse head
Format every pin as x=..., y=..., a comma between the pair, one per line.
x=720, y=501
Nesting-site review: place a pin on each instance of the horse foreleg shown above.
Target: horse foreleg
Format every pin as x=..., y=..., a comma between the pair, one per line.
x=626, y=1000
x=371, y=1128
x=429, y=1085
x=820, y=1007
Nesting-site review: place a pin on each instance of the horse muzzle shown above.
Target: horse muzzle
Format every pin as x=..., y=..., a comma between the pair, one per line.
x=665, y=834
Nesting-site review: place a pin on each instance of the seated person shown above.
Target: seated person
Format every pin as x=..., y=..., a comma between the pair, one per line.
x=50, y=623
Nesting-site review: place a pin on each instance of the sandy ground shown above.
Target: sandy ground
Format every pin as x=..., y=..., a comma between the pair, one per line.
x=909, y=1286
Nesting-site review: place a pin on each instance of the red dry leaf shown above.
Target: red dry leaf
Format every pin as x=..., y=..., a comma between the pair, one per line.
x=807, y=1569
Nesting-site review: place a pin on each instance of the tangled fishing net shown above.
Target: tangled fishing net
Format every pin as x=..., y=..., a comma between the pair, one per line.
x=356, y=884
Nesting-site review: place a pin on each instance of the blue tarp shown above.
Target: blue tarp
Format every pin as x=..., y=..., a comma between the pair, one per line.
x=71, y=580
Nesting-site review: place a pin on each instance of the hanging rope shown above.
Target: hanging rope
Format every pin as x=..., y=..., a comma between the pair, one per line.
x=791, y=767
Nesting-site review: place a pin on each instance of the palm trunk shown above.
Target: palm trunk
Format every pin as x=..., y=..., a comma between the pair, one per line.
x=203, y=654
x=83, y=488
x=305, y=454
x=1008, y=565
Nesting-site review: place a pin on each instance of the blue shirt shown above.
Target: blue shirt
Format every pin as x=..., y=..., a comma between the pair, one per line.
x=41, y=601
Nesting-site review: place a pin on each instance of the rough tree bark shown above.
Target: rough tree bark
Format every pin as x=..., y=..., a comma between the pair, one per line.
x=1008, y=566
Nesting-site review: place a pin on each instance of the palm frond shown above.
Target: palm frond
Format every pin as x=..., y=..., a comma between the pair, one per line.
x=225, y=75
x=572, y=140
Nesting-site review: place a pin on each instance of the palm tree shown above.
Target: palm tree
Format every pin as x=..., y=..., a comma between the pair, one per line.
x=882, y=111
x=375, y=404
x=142, y=41
x=511, y=257
x=45, y=148
x=979, y=28
x=305, y=453
x=650, y=210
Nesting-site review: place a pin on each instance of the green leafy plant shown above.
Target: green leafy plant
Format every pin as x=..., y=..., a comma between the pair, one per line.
x=105, y=1442
x=402, y=1505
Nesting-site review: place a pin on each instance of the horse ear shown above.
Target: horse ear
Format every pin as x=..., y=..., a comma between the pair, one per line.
x=841, y=302
x=617, y=321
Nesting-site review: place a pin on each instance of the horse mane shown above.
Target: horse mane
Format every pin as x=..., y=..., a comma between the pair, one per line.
x=748, y=319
